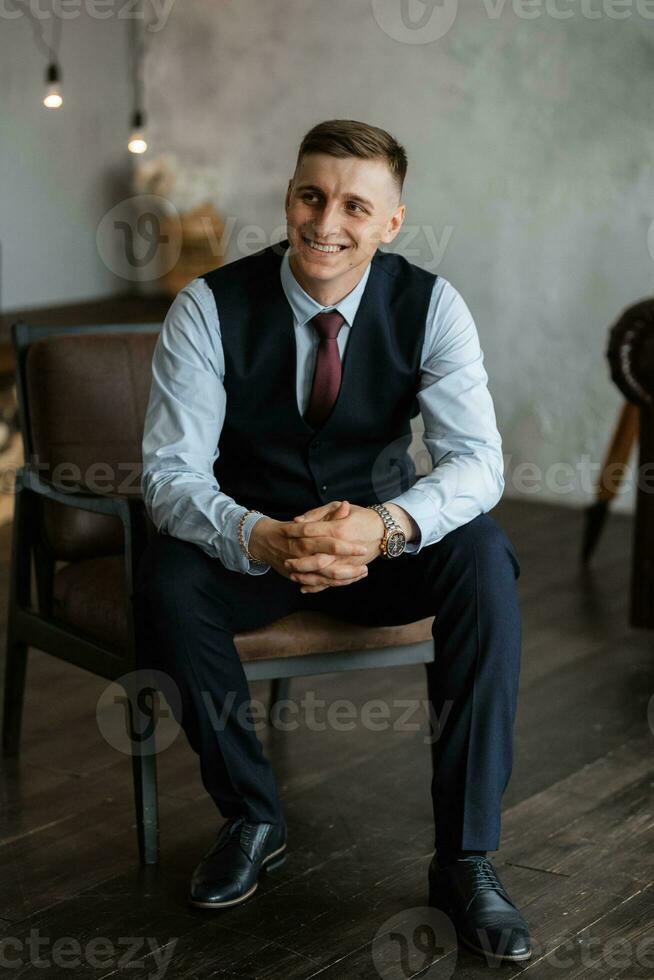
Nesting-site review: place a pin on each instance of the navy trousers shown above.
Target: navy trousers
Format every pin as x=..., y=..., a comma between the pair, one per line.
x=188, y=607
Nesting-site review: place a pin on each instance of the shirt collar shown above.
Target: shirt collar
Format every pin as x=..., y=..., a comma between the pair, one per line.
x=305, y=307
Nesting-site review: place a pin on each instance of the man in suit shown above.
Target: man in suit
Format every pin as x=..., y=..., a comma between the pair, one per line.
x=277, y=474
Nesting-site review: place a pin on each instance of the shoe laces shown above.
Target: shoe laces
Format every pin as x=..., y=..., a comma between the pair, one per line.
x=247, y=834
x=481, y=873
x=240, y=834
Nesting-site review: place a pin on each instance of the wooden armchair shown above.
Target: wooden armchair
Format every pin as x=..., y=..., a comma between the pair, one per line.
x=80, y=521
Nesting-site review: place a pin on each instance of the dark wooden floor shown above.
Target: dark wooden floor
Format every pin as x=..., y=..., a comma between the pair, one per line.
x=577, y=849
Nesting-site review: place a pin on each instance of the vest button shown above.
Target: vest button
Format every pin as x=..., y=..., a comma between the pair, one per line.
x=316, y=445
x=323, y=488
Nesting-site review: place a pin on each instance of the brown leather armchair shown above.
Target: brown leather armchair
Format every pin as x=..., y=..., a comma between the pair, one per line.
x=79, y=518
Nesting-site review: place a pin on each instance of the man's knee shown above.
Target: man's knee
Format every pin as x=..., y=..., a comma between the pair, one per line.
x=485, y=542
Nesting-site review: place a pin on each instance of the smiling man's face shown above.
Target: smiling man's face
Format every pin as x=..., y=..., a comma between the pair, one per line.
x=338, y=210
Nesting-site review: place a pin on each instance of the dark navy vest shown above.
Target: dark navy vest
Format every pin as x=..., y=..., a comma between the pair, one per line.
x=270, y=459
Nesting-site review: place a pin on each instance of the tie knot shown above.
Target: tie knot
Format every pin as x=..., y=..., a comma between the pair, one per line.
x=328, y=324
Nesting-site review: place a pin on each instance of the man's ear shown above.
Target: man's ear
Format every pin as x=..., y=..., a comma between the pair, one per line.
x=394, y=224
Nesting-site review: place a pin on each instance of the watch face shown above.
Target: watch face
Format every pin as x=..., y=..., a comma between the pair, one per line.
x=396, y=543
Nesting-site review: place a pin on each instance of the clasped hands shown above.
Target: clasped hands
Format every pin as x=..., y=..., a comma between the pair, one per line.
x=328, y=546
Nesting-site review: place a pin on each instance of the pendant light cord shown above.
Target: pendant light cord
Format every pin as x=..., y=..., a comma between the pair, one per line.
x=50, y=50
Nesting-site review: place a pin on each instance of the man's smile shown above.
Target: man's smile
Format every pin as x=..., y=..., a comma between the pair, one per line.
x=323, y=247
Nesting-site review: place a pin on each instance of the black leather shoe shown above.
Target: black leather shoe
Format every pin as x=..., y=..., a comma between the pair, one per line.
x=485, y=918
x=228, y=873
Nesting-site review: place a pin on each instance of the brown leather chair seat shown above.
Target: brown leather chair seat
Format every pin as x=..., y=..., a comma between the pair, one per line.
x=90, y=596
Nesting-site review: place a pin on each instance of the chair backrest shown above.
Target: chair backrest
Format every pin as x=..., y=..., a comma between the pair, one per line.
x=82, y=395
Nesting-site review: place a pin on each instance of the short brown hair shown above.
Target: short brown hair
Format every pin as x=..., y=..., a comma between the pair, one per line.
x=350, y=138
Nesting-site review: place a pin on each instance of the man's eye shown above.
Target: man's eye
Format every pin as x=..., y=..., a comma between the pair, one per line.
x=353, y=204
x=306, y=197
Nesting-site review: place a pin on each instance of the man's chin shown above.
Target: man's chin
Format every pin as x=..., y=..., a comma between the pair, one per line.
x=314, y=270
x=318, y=268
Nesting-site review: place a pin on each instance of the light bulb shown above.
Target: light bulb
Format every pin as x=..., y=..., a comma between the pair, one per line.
x=137, y=143
x=53, y=98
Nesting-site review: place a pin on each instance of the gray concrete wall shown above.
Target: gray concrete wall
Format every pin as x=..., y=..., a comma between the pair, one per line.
x=60, y=170
x=530, y=167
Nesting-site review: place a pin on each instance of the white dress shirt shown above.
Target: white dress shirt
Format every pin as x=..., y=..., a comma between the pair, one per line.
x=187, y=403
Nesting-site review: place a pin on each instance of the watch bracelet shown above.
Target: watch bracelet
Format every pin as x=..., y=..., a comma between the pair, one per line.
x=390, y=524
x=389, y=521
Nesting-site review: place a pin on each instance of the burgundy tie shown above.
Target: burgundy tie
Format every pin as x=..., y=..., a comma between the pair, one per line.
x=327, y=375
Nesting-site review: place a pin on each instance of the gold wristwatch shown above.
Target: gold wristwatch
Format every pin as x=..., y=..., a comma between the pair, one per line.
x=393, y=542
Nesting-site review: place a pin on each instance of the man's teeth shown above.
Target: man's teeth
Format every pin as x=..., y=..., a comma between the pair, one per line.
x=323, y=248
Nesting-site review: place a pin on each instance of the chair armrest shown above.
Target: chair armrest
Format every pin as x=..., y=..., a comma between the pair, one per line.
x=119, y=505
x=130, y=510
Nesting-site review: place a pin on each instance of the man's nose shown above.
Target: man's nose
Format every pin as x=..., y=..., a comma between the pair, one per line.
x=327, y=222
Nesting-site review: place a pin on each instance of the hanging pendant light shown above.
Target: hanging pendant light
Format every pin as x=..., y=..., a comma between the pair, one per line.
x=137, y=38
x=53, y=98
x=137, y=143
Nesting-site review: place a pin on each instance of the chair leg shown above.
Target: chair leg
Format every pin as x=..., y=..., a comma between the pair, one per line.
x=144, y=771
x=15, y=670
x=279, y=691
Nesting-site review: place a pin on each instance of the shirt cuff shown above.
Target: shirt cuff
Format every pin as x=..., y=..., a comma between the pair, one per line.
x=420, y=509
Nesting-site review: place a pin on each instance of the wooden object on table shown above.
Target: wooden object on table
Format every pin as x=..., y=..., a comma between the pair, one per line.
x=192, y=244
